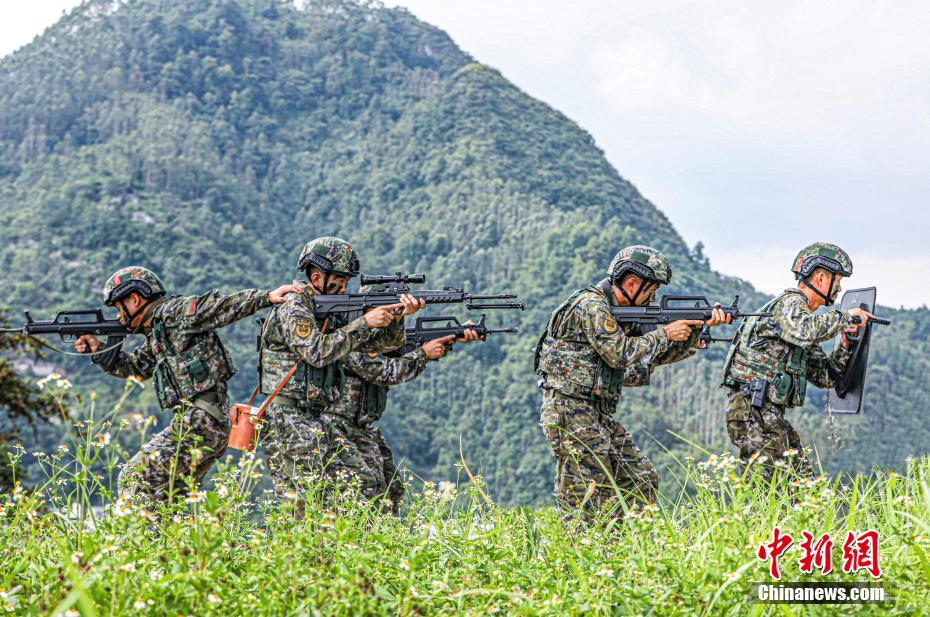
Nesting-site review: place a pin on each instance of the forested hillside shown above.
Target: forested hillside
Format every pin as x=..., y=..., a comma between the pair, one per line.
x=210, y=139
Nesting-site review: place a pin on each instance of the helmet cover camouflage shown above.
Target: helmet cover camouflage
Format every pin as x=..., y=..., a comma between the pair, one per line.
x=331, y=255
x=127, y=280
x=643, y=261
x=822, y=255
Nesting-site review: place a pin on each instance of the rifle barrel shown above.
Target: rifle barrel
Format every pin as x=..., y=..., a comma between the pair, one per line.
x=491, y=305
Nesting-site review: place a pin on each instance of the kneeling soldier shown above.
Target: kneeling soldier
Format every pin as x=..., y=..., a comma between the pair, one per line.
x=773, y=358
x=295, y=439
x=584, y=358
x=190, y=367
x=362, y=401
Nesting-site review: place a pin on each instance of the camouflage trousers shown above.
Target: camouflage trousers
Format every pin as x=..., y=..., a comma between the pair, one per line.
x=181, y=454
x=360, y=451
x=596, y=458
x=300, y=444
x=295, y=447
x=765, y=436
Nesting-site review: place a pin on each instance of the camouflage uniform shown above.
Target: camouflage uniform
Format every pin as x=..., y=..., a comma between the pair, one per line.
x=349, y=421
x=190, y=367
x=784, y=352
x=296, y=439
x=585, y=358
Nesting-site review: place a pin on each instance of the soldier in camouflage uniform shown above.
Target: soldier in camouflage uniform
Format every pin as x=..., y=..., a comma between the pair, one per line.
x=362, y=401
x=585, y=358
x=190, y=367
x=297, y=442
x=776, y=357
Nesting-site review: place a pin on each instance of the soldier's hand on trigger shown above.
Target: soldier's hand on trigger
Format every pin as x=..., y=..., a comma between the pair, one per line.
x=86, y=343
x=381, y=316
x=469, y=335
x=411, y=305
x=437, y=348
x=276, y=296
x=719, y=317
x=680, y=330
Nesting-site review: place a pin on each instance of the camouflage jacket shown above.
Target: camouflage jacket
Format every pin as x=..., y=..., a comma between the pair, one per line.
x=182, y=351
x=363, y=395
x=585, y=353
x=785, y=349
x=292, y=334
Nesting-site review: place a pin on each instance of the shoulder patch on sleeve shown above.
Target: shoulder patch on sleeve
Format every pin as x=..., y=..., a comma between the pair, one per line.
x=608, y=324
x=303, y=327
x=192, y=308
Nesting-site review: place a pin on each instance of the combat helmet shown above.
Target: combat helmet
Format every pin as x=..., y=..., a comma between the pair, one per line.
x=824, y=255
x=333, y=256
x=646, y=262
x=132, y=279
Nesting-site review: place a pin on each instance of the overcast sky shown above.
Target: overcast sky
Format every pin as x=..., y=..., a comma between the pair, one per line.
x=756, y=127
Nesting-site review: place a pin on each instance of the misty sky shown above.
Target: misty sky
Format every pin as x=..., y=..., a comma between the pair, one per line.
x=756, y=127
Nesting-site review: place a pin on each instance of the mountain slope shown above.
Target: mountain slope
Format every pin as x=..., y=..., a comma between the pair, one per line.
x=210, y=139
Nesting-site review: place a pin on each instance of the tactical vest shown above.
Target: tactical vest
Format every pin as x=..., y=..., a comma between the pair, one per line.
x=784, y=368
x=364, y=400
x=183, y=374
x=574, y=367
x=309, y=384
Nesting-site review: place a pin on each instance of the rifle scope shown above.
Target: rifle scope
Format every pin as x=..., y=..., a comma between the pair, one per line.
x=397, y=277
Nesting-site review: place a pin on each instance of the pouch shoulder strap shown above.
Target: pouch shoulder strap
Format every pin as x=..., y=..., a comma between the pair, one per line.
x=278, y=388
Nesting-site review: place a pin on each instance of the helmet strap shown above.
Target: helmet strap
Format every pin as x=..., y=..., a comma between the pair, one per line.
x=639, y=290
x=827, y=300
x=143, y=310
x=309, y=274
x=325, y=289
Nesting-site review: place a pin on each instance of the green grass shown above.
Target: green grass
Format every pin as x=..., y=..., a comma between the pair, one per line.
x=228, y=551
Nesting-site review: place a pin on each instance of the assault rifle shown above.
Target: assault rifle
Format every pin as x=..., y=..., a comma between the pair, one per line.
x=666, y=313
x=69, y=325
x=420, y=332
x=395, y=285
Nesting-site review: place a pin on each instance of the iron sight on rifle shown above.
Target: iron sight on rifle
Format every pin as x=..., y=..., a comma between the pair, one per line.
x=421, y=332
x=69, y=325
x=395, y=285
x=666, y=313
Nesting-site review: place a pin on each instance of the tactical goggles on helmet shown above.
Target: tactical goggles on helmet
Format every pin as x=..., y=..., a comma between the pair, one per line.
x=819, y=261
x=123, y=290
x=641, y=270
x=325, y=265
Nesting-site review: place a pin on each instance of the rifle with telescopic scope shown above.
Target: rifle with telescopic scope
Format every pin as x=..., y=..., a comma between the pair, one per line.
x=391, y=288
